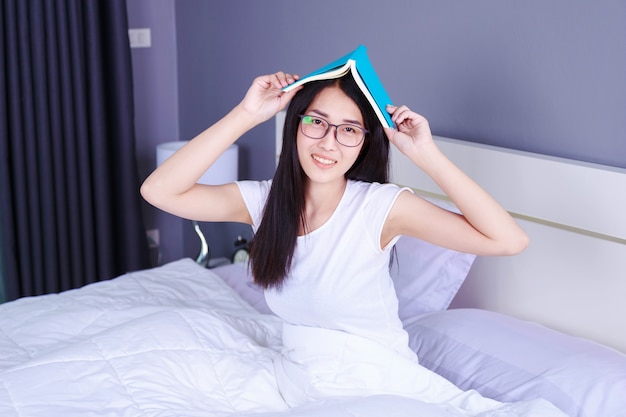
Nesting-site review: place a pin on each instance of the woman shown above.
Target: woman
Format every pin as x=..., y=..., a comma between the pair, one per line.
x=324, y=229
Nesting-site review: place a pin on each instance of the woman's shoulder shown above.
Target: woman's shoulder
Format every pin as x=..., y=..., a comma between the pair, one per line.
x=254, y=194
x=372, y=187
x=374, y=194
x=261, y=187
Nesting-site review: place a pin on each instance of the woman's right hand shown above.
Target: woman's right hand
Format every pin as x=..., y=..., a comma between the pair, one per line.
x=265, y=96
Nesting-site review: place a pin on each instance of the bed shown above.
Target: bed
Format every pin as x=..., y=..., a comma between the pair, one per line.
x=183, y=340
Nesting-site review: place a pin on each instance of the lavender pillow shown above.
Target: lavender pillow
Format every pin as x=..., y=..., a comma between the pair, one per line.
x=513, y=360
x=426, y=277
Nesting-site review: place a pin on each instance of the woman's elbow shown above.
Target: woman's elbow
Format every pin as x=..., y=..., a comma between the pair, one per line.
x=150, y=192
x=516, y=244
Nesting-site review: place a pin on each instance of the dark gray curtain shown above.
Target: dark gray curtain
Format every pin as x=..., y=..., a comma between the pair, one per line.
x=69, y=201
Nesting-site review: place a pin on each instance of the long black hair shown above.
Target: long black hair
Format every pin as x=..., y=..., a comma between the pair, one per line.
x=273, y=245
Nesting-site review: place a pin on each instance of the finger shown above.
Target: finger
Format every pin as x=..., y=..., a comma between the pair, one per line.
x=278, y=79
x=399, y=109
x=408, y=118
x=401, y=114
x=281, y=79
x=390, y=108
x=292, y=78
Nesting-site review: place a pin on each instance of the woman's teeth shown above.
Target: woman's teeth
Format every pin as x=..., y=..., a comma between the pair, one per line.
x=323, y=161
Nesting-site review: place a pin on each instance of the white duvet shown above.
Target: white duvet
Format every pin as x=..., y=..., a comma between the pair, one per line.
x=178, y=341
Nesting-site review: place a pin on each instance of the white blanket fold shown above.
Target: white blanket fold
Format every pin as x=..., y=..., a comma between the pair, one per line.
x=319, y=363
x=177, y=341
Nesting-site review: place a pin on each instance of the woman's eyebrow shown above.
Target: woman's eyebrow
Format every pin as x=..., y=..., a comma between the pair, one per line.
x=354, y=122
x=323, y=114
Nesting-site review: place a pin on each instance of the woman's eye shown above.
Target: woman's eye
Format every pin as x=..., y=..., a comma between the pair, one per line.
x=310, y=120
x=349, y=130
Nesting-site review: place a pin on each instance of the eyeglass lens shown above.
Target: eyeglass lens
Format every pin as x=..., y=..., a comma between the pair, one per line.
x=346, y=134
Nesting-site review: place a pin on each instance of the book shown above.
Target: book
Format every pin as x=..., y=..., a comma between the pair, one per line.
x=356, y=62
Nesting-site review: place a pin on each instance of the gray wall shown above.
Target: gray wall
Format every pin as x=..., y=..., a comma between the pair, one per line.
x=155, y=72
x=536, y=75
x=543, y=76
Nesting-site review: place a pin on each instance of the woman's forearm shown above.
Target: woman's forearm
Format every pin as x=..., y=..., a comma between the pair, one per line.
x=483, y=212
x=183, y=169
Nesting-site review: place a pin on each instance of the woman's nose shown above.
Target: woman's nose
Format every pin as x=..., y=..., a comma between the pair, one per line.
x=329, y=140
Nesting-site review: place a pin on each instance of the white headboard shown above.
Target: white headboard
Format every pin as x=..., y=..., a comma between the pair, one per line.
x=572, y=277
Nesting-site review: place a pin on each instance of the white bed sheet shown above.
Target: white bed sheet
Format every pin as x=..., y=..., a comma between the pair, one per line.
x=171, y=341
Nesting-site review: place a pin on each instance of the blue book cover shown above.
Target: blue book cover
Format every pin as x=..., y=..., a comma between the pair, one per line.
x=365, y=76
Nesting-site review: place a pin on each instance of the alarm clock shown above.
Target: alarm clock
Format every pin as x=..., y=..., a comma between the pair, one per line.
x=242, y=251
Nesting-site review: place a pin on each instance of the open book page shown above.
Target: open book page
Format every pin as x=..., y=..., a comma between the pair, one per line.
x=357, y=62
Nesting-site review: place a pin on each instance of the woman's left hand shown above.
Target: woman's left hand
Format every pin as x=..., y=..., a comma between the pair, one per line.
x=265, y=97
x=412, y=133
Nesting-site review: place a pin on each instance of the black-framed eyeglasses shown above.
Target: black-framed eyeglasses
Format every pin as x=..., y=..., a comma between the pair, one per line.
x=346, y=134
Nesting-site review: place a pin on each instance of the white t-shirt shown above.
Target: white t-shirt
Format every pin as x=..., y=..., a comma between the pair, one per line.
x=339, y=276
x=341, y=332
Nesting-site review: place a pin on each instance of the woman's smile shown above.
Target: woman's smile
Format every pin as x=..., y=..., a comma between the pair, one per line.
x=322, y=161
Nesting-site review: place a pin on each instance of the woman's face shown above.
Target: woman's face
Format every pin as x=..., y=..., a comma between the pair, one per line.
x=326, y=160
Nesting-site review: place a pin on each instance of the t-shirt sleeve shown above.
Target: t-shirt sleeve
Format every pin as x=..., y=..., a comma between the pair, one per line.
x=378, y=204
x=254, y=195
